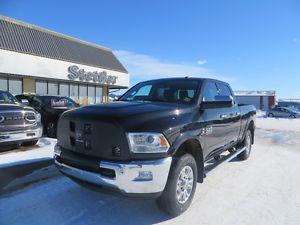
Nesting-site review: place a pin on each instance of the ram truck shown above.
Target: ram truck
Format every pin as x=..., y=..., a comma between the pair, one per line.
x=156, y=139
x=19, y=124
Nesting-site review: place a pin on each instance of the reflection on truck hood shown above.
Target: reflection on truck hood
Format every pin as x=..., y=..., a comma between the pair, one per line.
x=130, y=114
x=123, y=109
x=13, y=107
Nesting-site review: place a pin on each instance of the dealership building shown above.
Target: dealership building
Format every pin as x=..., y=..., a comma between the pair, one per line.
x=37, y=60
x=262, y=100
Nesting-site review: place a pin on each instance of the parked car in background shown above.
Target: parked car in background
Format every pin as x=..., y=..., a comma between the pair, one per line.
x=19, y=124
x=283, y=112
x=50, y=108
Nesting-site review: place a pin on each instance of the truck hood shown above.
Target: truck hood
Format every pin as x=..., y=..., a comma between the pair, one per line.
x=130, y=115
x=14, y=107
x=105, y=126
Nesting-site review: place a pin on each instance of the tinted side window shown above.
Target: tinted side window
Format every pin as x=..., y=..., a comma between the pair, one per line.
x=209, y=92
x=224, y=89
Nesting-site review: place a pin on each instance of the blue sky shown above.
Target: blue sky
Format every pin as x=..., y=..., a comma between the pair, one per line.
x=254, y=45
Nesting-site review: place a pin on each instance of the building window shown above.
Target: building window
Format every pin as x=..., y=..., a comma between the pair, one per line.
x=64, y=89
x=3, y=84
x=91, y=94
x=15, y=86
x=41, y=87
x=83, y=94
x=74, y=92
x=52, y=88
x=98, y=94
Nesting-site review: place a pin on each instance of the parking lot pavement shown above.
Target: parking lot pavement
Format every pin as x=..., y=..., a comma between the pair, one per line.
x=262, y=190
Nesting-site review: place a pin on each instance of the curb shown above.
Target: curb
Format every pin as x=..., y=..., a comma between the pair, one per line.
x=15, y=176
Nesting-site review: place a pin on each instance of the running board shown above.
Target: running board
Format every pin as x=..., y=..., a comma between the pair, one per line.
x=209, y=168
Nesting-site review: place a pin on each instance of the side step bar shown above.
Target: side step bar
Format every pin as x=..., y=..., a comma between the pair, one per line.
x=211, y=166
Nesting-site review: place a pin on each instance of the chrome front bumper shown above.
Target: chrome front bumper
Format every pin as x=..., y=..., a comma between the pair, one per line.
x=23, y=135
x=130, y=178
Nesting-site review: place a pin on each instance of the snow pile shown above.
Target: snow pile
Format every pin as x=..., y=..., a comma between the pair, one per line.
x=43, y=150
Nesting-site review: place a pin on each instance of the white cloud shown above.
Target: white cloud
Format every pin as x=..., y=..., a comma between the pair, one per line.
x=201, y=62
x=149, y=67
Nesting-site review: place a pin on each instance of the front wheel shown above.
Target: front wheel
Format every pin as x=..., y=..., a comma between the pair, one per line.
x=270, y=115
x=248, y=145
x=292, y=116
x=181, y=186
x=51, y=129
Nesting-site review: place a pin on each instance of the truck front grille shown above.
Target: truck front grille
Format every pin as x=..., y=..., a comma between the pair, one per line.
x=17, y=118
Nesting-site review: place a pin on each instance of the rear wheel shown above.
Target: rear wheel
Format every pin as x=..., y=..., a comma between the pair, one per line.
x=270, y=115
x=181, y=186
x=248, y=145
x=292, y=116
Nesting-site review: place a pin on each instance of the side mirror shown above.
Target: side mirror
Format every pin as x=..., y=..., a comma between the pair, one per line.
x=24, y=101
x=221, y=101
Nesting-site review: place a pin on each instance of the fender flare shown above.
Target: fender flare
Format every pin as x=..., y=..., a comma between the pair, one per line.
x=196, y=151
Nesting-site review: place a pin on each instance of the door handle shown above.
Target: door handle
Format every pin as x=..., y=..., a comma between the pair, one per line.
x=223, y=116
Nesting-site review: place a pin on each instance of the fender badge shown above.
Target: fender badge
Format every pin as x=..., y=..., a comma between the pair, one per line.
x=206, y=131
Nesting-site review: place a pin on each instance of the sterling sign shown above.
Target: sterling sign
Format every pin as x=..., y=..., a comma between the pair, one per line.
x=96, y=77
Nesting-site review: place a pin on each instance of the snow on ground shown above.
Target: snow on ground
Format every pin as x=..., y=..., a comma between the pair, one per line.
x=43, y=150
x=279, y=130
x=262, y=190
x=279, y=124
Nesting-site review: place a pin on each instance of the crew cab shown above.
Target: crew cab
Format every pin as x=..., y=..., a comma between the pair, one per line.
x=50, y=107
x=156, y=139
x=19, y=124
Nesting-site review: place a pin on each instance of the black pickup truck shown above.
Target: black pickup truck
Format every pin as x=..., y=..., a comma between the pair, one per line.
x=156, y=139
x=19, y=124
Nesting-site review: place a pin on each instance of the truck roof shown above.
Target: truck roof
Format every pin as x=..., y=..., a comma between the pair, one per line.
x=186, y=78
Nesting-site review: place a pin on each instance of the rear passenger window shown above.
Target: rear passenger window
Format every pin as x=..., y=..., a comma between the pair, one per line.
x=209, y=92
x=224, y=89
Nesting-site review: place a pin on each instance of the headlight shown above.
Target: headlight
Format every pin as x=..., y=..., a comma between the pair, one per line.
x=147, y=143
x=57, y=150
x=38, y=117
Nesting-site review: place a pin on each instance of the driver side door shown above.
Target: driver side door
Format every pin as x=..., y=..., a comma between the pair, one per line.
x=216, y=126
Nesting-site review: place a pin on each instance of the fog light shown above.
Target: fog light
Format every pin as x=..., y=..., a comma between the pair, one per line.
x=57, y=150
x=144, y=176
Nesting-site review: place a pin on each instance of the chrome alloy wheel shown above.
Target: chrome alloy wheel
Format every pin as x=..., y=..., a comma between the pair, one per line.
x=185, y=184
x=248, y=142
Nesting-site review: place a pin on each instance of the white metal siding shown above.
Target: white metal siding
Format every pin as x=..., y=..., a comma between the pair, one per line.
x=249, y=100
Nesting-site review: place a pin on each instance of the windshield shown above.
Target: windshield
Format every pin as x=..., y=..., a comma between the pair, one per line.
x=56, y=102
x=293, y=110
x=173, y=91
x=7, y=98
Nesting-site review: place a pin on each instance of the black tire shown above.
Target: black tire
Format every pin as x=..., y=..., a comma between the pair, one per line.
x=169, y=201
x=270, y=115
x=30, y=143
x=51, y=129
x=248, y=144
x=292, y=116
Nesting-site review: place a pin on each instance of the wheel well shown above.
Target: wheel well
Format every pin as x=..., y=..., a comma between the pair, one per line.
x=251, y=128
x=193, y=147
